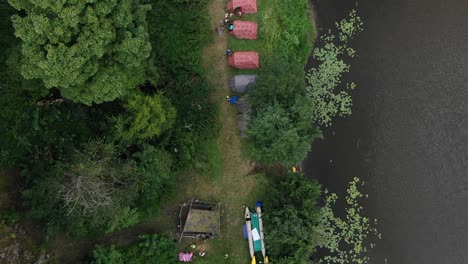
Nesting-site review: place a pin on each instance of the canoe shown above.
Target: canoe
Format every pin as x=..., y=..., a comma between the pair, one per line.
x=248, y=225
x=260, y=223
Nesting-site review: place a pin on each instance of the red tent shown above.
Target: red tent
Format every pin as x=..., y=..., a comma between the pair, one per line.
x=246, y=6
x=244, y=29
x=244, y=60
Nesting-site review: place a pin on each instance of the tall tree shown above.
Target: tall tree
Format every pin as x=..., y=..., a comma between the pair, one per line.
x=93, y=51
x=92, y=190
x=282, y=135
x=146, y=117
x=291, y=219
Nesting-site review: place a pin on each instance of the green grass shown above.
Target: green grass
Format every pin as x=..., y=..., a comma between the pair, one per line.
x=212, y=163
x=281, y=30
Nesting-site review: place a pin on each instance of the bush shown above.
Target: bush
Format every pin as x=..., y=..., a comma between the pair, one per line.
x=151, y=249
x=92, y=191
x=287, y=30
x=281, y=130
x=158, y=179
x=96, y=53
x=290, y=224
x=177, y=50
x=147, y=116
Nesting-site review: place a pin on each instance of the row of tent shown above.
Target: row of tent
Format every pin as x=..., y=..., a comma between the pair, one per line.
x=243, y=59
x=245, y=30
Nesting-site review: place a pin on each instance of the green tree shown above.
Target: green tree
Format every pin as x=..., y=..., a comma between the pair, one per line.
x=281, y=82
x=15, y=124
x=158, y=180
x=278, y=135
x=93, y=51
x=91, y=190
x=111, y=255
x=146, y=117
x=291, y=217
x=151, y=249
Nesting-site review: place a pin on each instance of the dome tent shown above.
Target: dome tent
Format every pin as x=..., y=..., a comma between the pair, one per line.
x=246, y=6
x=240, y=83
x=244, y=29
x=244, y=60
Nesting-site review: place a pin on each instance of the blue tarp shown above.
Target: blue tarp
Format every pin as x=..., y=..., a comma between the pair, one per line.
x=234, y=100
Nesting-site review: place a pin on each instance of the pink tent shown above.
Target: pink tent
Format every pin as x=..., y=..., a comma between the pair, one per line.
x=244, y=60
x=185, y=257
x=244, y=29
x=246, y=6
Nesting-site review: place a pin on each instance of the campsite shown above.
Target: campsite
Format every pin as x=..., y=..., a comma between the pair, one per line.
x=163, y=131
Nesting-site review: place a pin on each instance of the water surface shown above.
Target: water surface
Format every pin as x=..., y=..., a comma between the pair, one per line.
x=408, y=135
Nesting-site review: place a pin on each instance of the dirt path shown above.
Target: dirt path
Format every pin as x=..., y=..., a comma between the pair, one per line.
x=233, y=187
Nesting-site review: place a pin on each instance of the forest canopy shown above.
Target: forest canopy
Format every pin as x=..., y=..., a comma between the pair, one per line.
x=92, y=51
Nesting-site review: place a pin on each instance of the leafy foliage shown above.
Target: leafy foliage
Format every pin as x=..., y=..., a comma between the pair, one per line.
x=15, y=122
x=151, y=249
x=92, y=190
x=325, y=79
x=146, y=117
x=93, y=51
x=277, y=136
x=281, y=131
x=291, y=219
x=290, y=33
x=158, y=181
x=177, y=47
x=281, y=81
x=346, y=239
x=110, y=255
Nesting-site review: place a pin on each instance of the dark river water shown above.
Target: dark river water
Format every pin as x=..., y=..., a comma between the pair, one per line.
x=408, y=134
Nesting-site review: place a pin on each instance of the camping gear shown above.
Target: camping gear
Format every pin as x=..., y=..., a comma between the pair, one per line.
x=199, y=219
x=240, y=83
x=185, y=257
x=244, y=29
x=244, y=60
x=244, y=6
x=234, y=100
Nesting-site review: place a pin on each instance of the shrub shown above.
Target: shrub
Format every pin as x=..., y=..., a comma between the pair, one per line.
x=146, y=116
x=291, y=218
x=151, y=249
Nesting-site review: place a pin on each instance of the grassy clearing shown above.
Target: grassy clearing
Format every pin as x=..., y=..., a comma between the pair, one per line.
x=212, y=164
x=226, y=178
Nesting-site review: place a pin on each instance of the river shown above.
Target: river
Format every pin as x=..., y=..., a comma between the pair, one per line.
x=408, y=134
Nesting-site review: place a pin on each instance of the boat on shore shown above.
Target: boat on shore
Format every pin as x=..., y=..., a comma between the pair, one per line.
x=255, y=236
x=248, y=224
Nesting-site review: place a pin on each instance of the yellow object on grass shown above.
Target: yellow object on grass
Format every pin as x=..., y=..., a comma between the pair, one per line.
x=253, y=260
